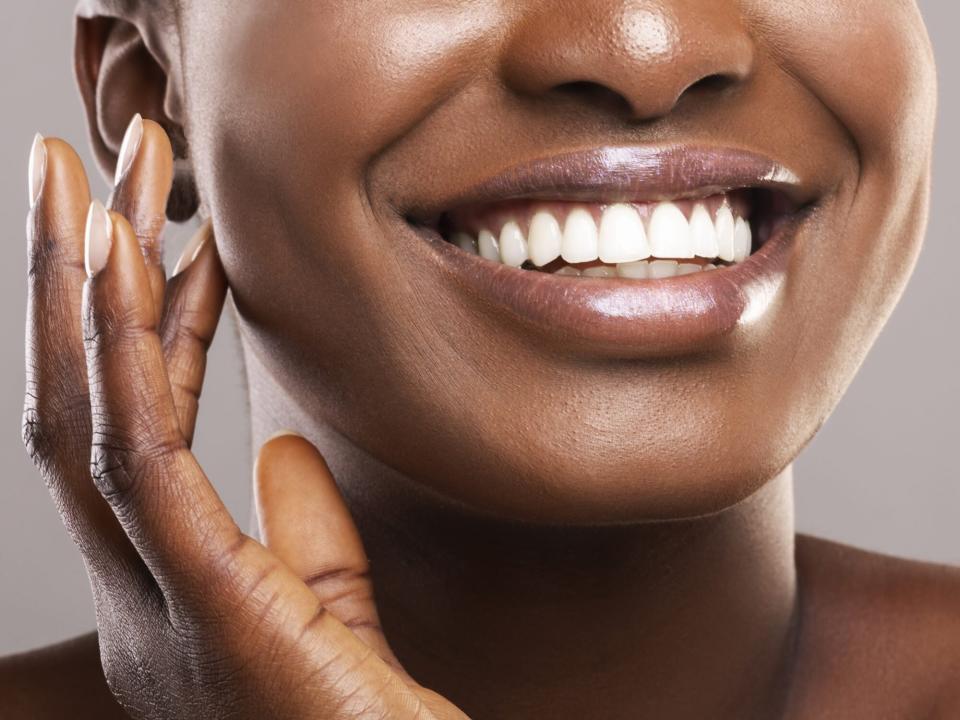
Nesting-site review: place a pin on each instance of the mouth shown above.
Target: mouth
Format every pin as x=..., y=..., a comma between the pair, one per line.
x=626, y=251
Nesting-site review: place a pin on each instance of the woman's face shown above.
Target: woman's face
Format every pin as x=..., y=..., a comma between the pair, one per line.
x=341, y=146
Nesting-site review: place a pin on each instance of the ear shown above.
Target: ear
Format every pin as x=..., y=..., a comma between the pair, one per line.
x=127, y=61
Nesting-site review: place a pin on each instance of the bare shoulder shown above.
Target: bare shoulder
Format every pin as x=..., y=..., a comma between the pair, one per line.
x=881, y=630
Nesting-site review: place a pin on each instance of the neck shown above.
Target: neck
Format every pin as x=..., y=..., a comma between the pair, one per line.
x=682, y=619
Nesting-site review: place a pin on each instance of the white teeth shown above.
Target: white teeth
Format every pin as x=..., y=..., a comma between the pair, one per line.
x=634, y=270
x=489, y=247
x=670, y=232
x=662, y=269
x=742, y=240
x=465, y=242
x=703, y=233
x=600, y=271
x=580, y=238
x=622, y=237
x=726, y=229
x=545, y=239
x=628, y=247
x=513, y=246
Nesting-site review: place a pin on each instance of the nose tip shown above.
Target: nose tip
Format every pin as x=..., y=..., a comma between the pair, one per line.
x=638, y=58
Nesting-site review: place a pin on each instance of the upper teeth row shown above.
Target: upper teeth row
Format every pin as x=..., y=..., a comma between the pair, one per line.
x=622, y=237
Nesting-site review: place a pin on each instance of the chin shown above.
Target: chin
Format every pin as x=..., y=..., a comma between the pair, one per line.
x=590, y=471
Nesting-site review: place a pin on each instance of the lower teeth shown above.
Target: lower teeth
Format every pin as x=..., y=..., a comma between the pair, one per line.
x=642, y=270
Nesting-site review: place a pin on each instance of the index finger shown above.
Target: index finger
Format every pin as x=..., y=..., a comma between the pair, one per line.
x=56, y=414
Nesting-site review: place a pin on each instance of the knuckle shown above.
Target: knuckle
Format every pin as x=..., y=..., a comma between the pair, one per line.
x=236, y=564
x=186, y=395
x=246, y=579
x=52, y=428
x=147, y=222
x=185, y=350
x=342, y=586
x=48, y=248
x=111, y=476
x=187, y=342
x=121, y=467
x=36, y=439
x=180, y=325
x=107, y=324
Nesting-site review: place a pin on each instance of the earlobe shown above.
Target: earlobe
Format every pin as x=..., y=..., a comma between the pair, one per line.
x=119, y=76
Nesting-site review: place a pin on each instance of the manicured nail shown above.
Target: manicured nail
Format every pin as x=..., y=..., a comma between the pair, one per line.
x=99, y=238
x=129, y=148
x=190, y=252
x=38, y=168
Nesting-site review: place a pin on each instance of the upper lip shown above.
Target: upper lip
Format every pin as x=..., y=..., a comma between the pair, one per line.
x=625, y=174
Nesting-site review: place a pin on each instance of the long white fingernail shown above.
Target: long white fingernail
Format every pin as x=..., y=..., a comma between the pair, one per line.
x=38, y=168
x=98, y=238
x=190, y=252
x=129, y=148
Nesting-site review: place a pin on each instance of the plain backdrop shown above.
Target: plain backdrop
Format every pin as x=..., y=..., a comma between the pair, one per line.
x=882, y=474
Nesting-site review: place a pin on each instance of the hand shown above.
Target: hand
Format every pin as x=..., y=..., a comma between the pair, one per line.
x=196, y=619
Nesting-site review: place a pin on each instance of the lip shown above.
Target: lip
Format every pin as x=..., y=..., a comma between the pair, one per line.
x=625, y=174
x=622, y=318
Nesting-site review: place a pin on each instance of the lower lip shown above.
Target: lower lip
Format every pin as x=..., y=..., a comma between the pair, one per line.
x=622, y=318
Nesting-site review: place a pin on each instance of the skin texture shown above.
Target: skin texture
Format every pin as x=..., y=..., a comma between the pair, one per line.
x=598, y=537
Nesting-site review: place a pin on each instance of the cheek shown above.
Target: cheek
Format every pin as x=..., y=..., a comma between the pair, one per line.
x=869, y=61
x=297, y=100
x=346, y=77
x=870, y=64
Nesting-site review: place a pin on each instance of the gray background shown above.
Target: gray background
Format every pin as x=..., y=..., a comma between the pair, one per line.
x=882, y=474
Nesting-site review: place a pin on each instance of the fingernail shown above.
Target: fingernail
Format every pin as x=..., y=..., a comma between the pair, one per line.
x=190, y=252
x=99, y=238
x=38, y=168
x=129, y=148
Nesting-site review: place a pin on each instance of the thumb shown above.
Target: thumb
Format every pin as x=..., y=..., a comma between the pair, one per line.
x=305, y=522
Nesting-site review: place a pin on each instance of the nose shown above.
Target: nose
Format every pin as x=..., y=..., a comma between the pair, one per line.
x=638, y=57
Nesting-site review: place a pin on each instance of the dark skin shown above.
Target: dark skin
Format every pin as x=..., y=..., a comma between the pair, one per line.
x=611, y=537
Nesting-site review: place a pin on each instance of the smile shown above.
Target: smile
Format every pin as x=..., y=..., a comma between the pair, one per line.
x=625, y=251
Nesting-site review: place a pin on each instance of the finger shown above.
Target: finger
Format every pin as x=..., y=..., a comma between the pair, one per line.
x=142, y=185
x=56, y=416
x=305, y=522
x=140, y=461
x=193, y=305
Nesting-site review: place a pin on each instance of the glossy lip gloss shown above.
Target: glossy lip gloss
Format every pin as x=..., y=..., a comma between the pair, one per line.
x=626, y=174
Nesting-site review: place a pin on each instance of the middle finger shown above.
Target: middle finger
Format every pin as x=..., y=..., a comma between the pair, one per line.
x=142, y=185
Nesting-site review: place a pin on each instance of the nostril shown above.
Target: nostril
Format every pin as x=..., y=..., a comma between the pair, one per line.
x=596, y=95
x=716, y=82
